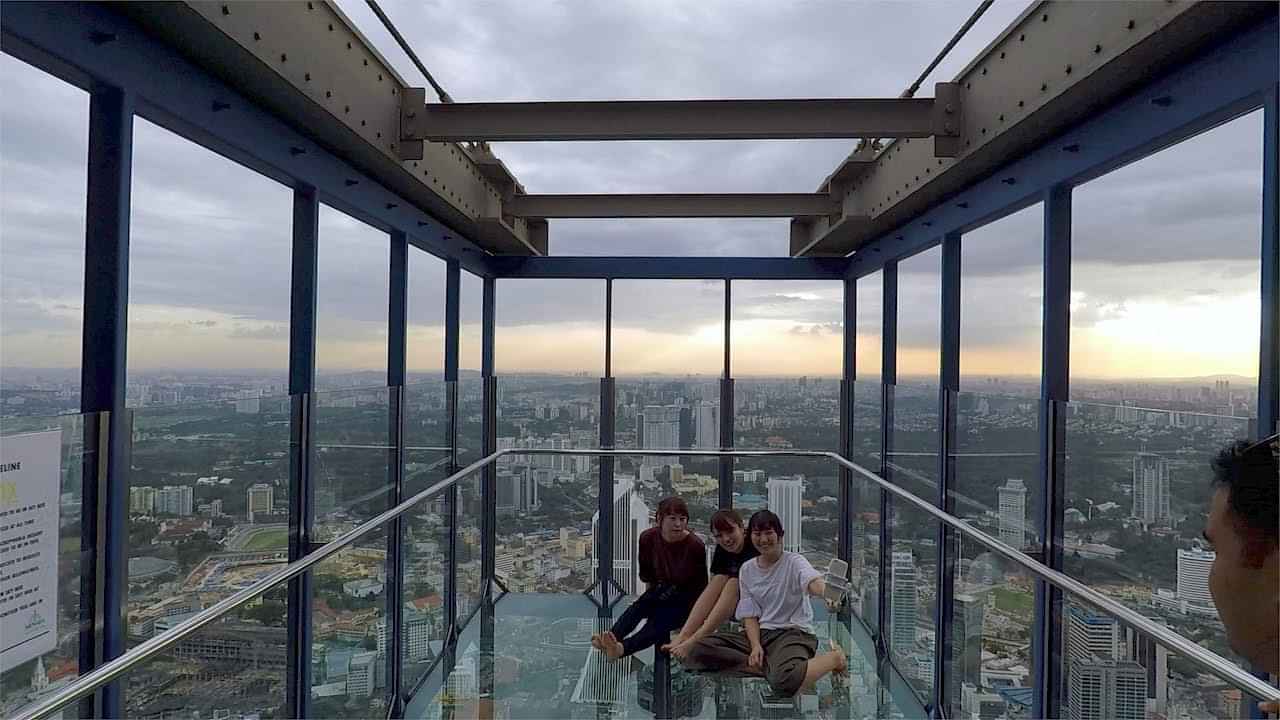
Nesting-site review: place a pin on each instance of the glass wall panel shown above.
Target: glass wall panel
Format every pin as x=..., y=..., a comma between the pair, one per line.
x=996, y=485
x=44, y=142
x=352, y=289
x=913, y=464
x=209, y=262
x=425, y=338
x=787, y=355
x=349, y=631
x=208, y=336
x=208, y=515
x=1164, y=360
x=668, y=355
x=51, y=645
x=866, y=427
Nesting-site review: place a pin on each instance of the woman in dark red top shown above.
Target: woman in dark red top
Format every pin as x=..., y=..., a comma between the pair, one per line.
x=673, y=566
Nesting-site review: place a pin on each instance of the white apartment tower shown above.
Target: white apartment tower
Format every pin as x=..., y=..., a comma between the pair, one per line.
x=1012, y=498
x=785, y=494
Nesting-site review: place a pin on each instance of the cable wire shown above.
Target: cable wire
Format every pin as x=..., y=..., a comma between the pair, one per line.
x=404, y=45
x=911, y=91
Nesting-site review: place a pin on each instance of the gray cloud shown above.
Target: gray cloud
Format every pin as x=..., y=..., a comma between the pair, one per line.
x=210, y=236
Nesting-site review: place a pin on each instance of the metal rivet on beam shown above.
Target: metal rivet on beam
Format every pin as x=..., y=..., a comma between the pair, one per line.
x=1162, y=101
x=219, y=106
x=349, y=183
x=98, y=37
x=1072, y=148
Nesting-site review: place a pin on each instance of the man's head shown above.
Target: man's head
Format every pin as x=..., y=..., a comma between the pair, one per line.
x=726, y=528
x=1244, y=531
x=766, y=534
x=673, y=518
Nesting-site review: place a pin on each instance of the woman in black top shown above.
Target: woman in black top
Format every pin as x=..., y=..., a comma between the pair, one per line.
x=717, y=602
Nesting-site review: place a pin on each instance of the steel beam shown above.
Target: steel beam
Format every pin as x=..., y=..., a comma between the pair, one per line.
x=1222, y=83
x=763, y=205
x=307, y=63
x=1027, y=87
x=1269, y=335
x=671, y=268
x=676, y=120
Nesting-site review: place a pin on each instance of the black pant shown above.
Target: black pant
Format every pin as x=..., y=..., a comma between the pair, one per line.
x=664, y=610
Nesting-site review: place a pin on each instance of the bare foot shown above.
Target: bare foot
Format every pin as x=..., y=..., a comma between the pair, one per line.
x=675, y=640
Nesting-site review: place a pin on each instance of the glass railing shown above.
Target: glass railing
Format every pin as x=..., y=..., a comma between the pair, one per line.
x=522, y=648
x=58, y=454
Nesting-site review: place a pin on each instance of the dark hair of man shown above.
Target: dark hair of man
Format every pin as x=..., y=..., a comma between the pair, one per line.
x=1251, y=475
x=764, y=520
x=672, y=506
x=725, y=521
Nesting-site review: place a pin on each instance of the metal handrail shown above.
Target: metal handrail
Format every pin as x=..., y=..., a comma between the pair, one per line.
x=113, y=669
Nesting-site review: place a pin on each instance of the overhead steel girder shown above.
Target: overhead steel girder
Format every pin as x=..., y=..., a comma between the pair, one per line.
x=307, y=63
x=761, y=205
x=1051, y=68
x=684, y=119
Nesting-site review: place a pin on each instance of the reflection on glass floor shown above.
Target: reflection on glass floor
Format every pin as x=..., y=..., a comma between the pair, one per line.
x=543, y=666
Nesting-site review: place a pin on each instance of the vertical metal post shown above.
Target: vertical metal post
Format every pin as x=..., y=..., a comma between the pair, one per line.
x=1055, y=374
x=452, y=329
x=302, y=373
x=1269, y=332
x=726, y=403
x=1269, y=355
x=104, y=518
x=888, y=379
x=848, y=367
x=948, y=386
x=488, y=494
x=397, y=361
x=604, y=489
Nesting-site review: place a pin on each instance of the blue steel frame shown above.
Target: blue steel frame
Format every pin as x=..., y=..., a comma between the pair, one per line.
x=115, y=61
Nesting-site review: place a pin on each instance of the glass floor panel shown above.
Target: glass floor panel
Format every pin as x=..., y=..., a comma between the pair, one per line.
x=543, y=666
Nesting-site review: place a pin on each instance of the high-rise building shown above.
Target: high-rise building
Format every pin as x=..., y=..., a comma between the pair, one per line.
x=661, y=427
x=630, y=518
x=1106, y=689
x=517, y=490
x=969, y=614
x=360, y=674
x=902, y=599
x=142, y=500
x=707, y=426
x=1193, y=579
x=416, y=638
x=1090, y=633
x=1013, y=512
x=785, y=494
x=215, y=507
x=260, y=501
x=1151, y=489
x=175, y=500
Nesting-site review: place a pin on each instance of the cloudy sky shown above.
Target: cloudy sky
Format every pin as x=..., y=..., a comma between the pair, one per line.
x=1165, y=282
